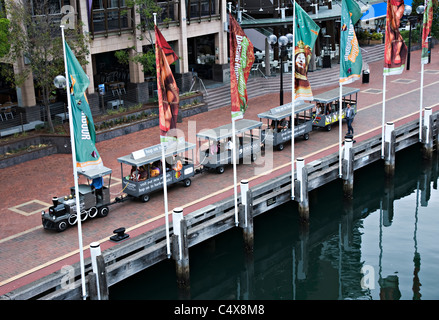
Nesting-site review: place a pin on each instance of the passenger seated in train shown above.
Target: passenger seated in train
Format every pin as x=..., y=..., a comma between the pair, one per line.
x=154, y=169
x=283, y=124
x=143, y=172
x=328, y=108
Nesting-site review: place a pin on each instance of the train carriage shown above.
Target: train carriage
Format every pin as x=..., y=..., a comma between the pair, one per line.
x=327, y=106
x=213, y=144
x=146, y=173
x=277, y=132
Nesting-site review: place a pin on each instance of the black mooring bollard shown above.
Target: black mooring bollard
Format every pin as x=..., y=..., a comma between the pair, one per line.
x=120, y=235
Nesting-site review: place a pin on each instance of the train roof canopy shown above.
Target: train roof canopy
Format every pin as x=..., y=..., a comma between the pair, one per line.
x=334, y=94
x=225, y=131
x=95, y=172
x=154, y=153
x=284, y=110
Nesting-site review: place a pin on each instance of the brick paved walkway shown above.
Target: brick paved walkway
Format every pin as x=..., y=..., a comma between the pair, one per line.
x=27, y=251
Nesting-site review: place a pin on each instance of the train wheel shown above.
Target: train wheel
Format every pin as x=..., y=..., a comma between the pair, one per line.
x=84, y=215
x=103, y=211
x=144, y=197
x=280, y=147
x=220, y=169
x=306, y=136
x=187, y=182
x=93, y=212
x=72, y=219
x=61, y=225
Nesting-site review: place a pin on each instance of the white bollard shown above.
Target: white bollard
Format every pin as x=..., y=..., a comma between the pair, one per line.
x=244, y=189
x=95, y=251
x=300, y=164
x=177, y=216
x=427, y=113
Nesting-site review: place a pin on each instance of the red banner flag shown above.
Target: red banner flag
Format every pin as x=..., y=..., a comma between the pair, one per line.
x=241, y=61
x=395, y=50
x=168, y=93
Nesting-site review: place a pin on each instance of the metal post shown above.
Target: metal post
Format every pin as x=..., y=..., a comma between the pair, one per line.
x=244, y=189
x=410, y=43
x=281, y=92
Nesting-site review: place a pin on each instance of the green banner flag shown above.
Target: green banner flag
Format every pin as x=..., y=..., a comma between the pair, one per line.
x=427, y=21
x=351, y=61
x=87, y=156
x=306, y=31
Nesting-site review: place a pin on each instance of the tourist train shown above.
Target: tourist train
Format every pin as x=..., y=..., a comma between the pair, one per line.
x=215, y=147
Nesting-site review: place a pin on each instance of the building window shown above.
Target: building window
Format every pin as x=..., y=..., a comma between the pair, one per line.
x=48, y=7
x=170, y=11
x=202, y=9
x=110, y=16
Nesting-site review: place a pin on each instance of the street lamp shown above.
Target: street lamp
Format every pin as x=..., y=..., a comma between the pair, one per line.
x=412, y=20
x=283, y=43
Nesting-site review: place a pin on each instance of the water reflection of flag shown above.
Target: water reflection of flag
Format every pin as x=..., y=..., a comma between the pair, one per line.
x=241, y=61
x=168, y=93
x=87, y=156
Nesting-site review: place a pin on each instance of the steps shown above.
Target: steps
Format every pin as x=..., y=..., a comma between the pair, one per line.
x=256, y=86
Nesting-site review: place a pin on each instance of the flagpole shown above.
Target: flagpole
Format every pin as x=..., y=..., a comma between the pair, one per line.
x=235, y=188
x=235, y=179
x=165, y=183
x=340, y=129
x=421, y=100
x=384, y=113
x=293, y=99
x=75, y=172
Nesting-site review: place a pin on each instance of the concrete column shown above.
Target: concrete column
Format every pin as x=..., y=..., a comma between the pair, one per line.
x=182, y=41
x=89, y=67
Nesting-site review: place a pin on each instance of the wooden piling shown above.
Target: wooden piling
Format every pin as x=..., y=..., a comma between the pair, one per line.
x=389, y=150
x=301, y=190
x=98, y=292
x=427, y=134
x=348, y=169
x=180, y=253
x=246, y=222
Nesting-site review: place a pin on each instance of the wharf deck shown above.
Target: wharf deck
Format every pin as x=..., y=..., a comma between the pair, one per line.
x=31, y=254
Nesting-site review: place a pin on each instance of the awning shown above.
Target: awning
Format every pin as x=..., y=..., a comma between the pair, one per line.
x=379, y=10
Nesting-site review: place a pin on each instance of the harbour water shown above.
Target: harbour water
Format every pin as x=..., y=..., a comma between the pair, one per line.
x=381, y=245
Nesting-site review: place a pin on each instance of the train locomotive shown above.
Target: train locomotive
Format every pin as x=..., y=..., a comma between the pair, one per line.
x=94, y=199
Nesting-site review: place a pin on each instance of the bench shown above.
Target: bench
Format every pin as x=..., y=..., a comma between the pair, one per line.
x=114, y=104
x=20, y=128
x=61, y=117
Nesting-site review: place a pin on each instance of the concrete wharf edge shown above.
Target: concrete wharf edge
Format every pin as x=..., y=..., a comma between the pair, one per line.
x=154, y=232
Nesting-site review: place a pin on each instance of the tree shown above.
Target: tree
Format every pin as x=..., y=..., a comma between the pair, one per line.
x=35, y=35
x=145, y=8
